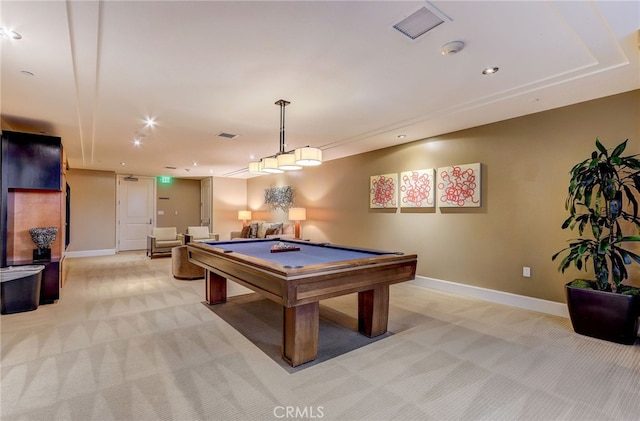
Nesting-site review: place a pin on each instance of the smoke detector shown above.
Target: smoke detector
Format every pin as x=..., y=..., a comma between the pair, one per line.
x=451, y=48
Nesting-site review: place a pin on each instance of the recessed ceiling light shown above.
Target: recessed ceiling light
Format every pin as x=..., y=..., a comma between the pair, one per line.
x=136, y=142
x=122, y=163
x=490, y=70
x=26, y=73
x=402, y=136
x=150, y=122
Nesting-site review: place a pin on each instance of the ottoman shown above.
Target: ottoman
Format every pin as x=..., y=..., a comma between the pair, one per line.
x=181, y=267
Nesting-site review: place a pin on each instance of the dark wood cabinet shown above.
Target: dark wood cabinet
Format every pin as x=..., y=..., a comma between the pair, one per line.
x=32, y=196
x=33, y=161
x=50, y=289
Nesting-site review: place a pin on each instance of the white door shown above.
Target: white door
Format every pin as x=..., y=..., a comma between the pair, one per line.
x=136, y=210
x=205, y=203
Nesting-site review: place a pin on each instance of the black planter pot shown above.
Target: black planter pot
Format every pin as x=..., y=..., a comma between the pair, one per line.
x=604, y=315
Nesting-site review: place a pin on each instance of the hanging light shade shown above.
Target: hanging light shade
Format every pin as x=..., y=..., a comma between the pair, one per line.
x=308, y=156
x=270, y=165
x=255, y=167
x=287, y=162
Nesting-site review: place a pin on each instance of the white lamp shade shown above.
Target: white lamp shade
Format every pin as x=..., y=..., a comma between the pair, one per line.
x=244, y=215
x=255, y=167
x=287, y=162
x=297, y=214
x=270, y=165
x=308, y=156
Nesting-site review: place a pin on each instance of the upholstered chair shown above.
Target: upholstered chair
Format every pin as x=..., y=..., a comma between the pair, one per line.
x=162, y=240
x=201, y=234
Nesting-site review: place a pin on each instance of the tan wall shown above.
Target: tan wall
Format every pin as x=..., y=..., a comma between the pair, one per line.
x=229, y=196
x=93, y=207
x=93, y=210
x=525, y=165
x=179, y=201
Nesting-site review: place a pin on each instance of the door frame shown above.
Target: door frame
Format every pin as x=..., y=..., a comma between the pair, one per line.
x=206, y=184
x=118, y=198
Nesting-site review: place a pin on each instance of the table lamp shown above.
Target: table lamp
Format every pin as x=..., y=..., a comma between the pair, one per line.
x=244, y=216
x=297, y=215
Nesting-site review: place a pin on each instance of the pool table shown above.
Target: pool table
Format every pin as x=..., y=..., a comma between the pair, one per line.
x=298, y=279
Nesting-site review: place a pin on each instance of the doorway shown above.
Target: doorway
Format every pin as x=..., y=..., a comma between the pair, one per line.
x=205, y=203
x=135, y=211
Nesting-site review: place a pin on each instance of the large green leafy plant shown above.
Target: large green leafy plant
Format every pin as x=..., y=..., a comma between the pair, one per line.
x=602, y=202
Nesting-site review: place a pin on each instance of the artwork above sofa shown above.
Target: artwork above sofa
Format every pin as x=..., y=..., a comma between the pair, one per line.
x=264, y=229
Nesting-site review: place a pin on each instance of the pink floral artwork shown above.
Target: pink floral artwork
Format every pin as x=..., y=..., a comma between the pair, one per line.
x=383, y=191
x=459, y=186
x=417, y=189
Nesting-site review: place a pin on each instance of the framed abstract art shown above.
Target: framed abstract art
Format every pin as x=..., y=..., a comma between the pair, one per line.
x=279, y=198
x=458, y=186
x=383, y=191
x=417, y=189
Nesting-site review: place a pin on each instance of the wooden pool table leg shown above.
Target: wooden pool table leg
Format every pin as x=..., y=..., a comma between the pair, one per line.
x=300, y=333
x=215, y=288
x=373, y=311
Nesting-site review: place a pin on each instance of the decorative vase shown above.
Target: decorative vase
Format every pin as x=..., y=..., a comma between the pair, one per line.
x=43, y=237
x=604, y=315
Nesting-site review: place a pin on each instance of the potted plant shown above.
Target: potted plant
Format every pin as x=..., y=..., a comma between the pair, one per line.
x=602, y=201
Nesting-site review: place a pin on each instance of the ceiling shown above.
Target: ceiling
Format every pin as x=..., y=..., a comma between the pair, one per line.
x=92, y=72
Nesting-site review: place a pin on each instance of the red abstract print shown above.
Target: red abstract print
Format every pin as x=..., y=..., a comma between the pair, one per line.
x=417, y=189
x=458, y=187
x=383, y=191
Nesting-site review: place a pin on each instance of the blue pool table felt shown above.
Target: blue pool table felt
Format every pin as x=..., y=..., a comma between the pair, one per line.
x=309, y=254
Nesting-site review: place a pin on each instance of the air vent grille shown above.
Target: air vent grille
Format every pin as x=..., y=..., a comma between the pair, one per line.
x=419, y=23
x=228, y=135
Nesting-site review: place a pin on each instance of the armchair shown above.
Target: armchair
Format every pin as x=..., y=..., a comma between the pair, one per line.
x=162, y=240
x=201, y=234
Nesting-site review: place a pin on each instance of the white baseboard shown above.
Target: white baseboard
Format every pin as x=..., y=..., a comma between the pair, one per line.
x=500, y=297
x=90, y=253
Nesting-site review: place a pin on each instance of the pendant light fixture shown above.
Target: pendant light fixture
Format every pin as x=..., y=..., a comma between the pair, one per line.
x=286, y=160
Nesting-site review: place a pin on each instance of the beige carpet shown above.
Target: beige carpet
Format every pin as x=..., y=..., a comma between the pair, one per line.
x=128, y=342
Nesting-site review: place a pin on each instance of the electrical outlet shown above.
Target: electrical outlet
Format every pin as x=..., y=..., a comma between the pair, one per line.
x=526, y=272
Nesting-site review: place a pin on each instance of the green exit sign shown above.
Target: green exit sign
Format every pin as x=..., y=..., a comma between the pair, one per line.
x=165, y=179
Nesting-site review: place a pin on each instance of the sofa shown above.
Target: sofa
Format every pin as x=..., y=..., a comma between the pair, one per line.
x=264, y=229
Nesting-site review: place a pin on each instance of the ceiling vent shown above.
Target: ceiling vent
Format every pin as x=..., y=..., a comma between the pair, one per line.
x=228, y=135
x=419, y=23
